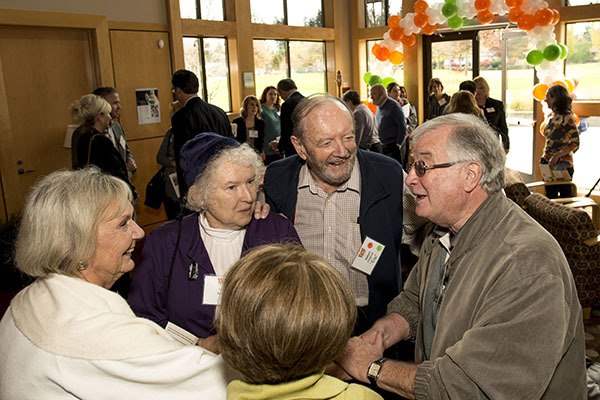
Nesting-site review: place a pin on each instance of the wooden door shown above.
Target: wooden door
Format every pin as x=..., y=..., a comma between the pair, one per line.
x=141, y=60
x=43, y=70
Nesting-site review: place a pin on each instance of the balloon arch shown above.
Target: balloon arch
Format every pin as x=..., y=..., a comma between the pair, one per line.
x=532, y=16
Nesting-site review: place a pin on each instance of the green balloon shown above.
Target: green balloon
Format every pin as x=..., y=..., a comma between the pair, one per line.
x=451, y=1
x=449, y=10
x=564, y=51
x=367, y=76
x=551, y=52
x=387, y=81
x=374, y=80
x=535, y=57
x=455, y=22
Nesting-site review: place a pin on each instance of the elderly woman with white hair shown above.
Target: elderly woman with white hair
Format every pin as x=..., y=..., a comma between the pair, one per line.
x=183, y=262
x=66, y=335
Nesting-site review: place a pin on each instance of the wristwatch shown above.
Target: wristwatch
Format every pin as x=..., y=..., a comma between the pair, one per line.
x=374, y=370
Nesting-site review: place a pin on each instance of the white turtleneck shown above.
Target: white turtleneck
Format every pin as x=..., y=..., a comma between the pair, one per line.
x=224, y=246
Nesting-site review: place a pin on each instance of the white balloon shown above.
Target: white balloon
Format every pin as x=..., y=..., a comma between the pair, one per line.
x=435, y=14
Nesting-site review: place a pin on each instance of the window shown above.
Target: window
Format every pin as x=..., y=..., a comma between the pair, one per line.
x=202, y=9
x=303, y=61
x=207, y=58
x=384, y=69
x=287, y=12
x=583, y=61
x=581, y=2
x=586, y=160
x=377, y=12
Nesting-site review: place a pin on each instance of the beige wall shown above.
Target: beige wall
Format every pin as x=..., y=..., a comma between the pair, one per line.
x=147, y=11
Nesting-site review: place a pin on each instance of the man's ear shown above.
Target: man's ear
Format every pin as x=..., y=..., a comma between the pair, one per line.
x=472, y=176
x=299, y=147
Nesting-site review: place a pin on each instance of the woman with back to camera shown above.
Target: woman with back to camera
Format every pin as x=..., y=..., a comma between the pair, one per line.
x=464, y=102
x=66, y=335
x=562, y=138
x=250, y=126
x=437, y=100
x=285, y=315
x=182, y=261
x=493, y=110
x=91, y=144
x=271, y=105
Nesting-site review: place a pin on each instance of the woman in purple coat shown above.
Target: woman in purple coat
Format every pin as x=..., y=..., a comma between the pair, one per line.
x=183, y=262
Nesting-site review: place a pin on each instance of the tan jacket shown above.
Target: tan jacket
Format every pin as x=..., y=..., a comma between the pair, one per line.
x=510, y=324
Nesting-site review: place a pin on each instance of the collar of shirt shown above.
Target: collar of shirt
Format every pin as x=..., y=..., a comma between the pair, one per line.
x=306, y=180
x=193, y=97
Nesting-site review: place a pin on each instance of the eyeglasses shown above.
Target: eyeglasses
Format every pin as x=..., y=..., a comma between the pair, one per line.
x=421, y=168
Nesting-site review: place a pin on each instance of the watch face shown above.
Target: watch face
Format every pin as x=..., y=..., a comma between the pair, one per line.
x=374, y=370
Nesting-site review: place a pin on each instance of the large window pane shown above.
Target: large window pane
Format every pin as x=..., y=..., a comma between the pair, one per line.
x=583, y=62
x=207, y=58
x=307, y=66
x=452, y=63
x=586, y=160
x=270, y=63
x=209, y=9
x=305, y=12
x=374, y=13
x=394, y=7
x=384, y=69
x=267, y=11
x=581, y=2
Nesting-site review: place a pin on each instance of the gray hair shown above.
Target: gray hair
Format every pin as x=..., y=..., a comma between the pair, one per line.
x=308, y=105
x=203, y=187
x=472, y=139
x=85, y=109
x=61, y=217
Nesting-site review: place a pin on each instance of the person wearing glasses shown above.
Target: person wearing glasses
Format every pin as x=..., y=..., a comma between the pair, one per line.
x=491, y=304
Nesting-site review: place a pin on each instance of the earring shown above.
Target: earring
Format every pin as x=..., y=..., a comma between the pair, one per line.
x=81, y=266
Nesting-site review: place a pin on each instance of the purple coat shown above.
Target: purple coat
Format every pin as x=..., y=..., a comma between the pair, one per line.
x=152, y=297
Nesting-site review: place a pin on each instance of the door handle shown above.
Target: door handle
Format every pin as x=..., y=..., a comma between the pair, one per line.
x=23, y=171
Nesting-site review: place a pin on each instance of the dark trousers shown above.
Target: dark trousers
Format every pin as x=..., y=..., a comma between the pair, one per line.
x=392, y=150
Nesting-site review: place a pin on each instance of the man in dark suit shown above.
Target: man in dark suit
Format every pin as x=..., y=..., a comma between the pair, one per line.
x=196, y=116
x=289, y=93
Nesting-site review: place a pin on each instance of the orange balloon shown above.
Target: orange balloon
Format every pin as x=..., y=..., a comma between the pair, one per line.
x=383, y=54
x=375, y=49
x=527, y=22
x=539, y=91
x=561, y=83
x=409, y=40
x=570, y=85
x=514, y=3
x=371, y=106
x=394, y=21
x=514, y=15
x=556, y=17
x=481, y=5
x=544, y=16
x=485, y=16
x=421, y=6
x=396, y=57
x=397, y=34
x=421, y=20
x=428, y=29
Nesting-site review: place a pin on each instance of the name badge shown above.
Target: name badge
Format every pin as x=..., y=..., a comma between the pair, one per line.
x=212, y=290
x=442, y=101
x=252, y=133
x=180, y=334
x=368, y=256
x=490, y=109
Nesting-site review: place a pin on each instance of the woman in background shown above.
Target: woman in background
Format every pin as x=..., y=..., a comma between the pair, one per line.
x=66, y=336
x=250, y=126
x=437, y=100
x=562, y=138
x=91, y=144
x=493, y=110
x=271, y=105
x=464, y=102
x=285, y=315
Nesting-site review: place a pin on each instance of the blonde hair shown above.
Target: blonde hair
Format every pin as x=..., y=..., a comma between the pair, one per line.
x=480, y=80
x=61, y=217
x=285, y=314
x=464, y=102
x=85, y=110
x=246, y=103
